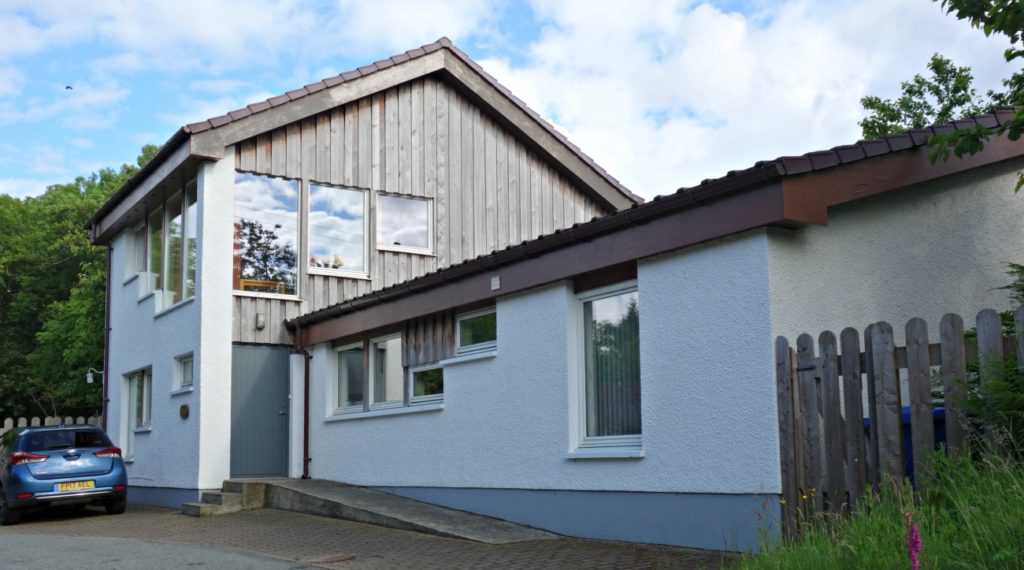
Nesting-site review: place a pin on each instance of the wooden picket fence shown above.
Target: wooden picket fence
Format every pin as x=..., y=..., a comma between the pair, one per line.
x=827, y=459
x=11, y=423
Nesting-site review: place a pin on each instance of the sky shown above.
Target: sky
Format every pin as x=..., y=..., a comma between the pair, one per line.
x=661, y=93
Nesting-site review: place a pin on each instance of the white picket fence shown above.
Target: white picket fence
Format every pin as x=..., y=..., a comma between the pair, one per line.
x=11, y=423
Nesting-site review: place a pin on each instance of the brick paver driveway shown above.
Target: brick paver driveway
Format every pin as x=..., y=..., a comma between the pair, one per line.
x=329, y=543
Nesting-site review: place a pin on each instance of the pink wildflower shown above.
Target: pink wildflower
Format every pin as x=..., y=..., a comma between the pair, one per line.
x=913, y=541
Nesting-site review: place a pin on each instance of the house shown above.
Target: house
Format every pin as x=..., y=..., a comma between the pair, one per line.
x=325, y=194
x=328, y=285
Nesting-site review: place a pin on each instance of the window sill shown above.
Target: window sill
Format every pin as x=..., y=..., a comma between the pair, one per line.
x=412, y=250
x=469, y=358
x=130, y=278
x=177, y=305
x=634, y=453
x=398, y=411
x=336, y=273
x=146, y=429
x=266, y=295
x=147, y=296
x=182, y=391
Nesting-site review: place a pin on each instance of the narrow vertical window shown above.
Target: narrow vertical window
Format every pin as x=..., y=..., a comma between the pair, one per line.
x=266, y=234
x=135, y=254
x=387, y=384
x=611, y=387
x=351, y=372
x=191, y=221
x=186, y=371
x=155, y=244
x=337, y=229
x=173, y=274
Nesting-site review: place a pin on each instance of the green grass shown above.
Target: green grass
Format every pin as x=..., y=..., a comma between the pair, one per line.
x=970, y=516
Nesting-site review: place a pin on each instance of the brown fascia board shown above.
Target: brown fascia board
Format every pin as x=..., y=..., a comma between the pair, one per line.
x=895, y=170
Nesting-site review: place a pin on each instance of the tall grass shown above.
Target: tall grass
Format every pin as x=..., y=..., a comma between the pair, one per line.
x=970, y=514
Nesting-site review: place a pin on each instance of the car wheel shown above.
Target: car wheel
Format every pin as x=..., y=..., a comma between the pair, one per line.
x=8, y=516
x=116, y=507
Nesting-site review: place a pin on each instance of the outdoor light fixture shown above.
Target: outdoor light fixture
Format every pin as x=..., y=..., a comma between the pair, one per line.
x=88, y=375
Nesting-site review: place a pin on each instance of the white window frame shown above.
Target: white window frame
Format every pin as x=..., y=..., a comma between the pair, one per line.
x=488, y=346
x=139, y=379
x=429, y=250
x=179, y=372
x=365, y=274
x=300, y=247
x=133, y=266
x=335, y=388
x=371, y=362
x=581, y=445
x=432, y=398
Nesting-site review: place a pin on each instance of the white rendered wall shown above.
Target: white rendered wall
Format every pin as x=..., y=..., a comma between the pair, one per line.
x=166, y=455
x=707, y=394
x=216, y=227
x=921, y=252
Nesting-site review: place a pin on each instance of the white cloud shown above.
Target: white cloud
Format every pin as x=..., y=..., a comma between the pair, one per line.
x=84, y=106
x=678, y=91
x=11, y=80
x=23, y=187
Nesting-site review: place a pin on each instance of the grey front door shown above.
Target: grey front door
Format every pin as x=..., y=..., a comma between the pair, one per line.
x=259, y=411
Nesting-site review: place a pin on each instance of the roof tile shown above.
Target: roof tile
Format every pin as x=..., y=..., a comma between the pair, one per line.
x=383, y=64
x=279, y=100
x=988, y=120
x=823, y=159
x=796, y=164
x=296, y=93
x=334, y=80
x=400, y=58
x=219, y=121
x=314, y=87
x=350, y=75
x=899, y=142
x=850, y=153
x=198, y=127
x=919, y=136
x=240, y=113
x=418, y=52
x=1004, y=115
x=874, y=147
x=943, y=129
x=259, y=107
x=367, y=69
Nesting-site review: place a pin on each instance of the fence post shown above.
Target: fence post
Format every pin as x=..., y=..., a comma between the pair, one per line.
x=922, y=423
x=787, y=455
x=849, y=340
x=833, y=420
x=887, y=428
x=807, y=368
x=1018, y=331
x=990, y=351
x=954, y=374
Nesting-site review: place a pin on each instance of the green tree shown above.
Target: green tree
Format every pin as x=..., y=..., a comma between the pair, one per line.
x=52, y=290
x=1005, y=17
x=945, y=95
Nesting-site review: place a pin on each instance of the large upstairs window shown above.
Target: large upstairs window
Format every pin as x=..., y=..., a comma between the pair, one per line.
x=266, y=234
x=337, y=230
x=163, y=249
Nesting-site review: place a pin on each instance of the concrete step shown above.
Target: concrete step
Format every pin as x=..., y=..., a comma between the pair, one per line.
x=336, y=500
x=207, y=509
x=225, y=499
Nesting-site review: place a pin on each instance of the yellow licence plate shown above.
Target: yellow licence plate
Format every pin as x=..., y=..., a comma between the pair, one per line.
x=75, y=485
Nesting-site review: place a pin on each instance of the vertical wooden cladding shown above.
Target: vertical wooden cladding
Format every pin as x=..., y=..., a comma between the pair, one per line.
x=488, y=190
x=428, y=340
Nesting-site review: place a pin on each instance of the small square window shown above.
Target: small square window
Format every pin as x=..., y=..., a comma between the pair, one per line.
x=477, y=331
x=404, y=223
x=427, y=384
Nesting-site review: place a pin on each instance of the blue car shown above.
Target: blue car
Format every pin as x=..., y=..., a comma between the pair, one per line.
x=58, y=465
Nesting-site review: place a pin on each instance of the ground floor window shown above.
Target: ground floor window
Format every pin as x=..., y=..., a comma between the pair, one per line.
x=387, y=373
x=351, y=374
x=610, y=387
x=427, y=383
x=140, y=405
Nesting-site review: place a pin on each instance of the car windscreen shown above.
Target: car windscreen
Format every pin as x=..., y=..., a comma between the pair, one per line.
x=64, y=439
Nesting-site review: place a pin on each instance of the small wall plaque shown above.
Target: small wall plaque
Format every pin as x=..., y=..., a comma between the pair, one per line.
x=183, y=411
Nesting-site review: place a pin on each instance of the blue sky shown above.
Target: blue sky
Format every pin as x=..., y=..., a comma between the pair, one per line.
x=662, y=93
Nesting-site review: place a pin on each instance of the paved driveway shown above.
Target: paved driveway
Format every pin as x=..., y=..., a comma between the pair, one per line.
x=266, y=538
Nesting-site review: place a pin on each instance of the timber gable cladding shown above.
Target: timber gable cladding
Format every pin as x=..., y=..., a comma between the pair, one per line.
x=488, y=188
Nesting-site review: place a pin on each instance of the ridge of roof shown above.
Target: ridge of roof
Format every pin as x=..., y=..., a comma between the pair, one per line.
x=707, y=190
x=359, y=72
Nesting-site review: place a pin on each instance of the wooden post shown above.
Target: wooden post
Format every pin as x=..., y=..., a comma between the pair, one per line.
x=833, y=420
x=990, y=351
x=812, y=457
x=954, y=374
x=888, y=427
x=787, y=455
x=874, y=473
x=856, y=464
x=922, y=424
x=1018, y=331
